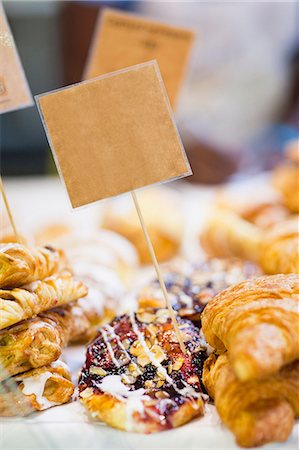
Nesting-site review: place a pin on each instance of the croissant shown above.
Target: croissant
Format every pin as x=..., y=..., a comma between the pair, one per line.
x=257, y=322
x=36, y=390
x=256, y=411
x=20, y=264
x=19, y=304
x=226, y=234
x=34, y=342
x=279, y=248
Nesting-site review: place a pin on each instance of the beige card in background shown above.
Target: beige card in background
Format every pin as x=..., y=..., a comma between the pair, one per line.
x=14, y=90
x=122, y=40
x=113, y=134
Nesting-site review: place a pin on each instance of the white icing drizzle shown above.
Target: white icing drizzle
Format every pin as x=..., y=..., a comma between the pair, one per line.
x=36, y=385
x=109, y=347
x=188, y=390
x=112, y=384
x=120, y=344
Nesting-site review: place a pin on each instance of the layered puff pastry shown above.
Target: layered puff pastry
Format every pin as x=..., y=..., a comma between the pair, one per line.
x=191, y=286
x=35, y=342
x=279, y=248
x=20, y=264
x=136, y=377
x=257, y=322
x=165, y=233
x=23, y=303
x=36, y=390
x=256, y=411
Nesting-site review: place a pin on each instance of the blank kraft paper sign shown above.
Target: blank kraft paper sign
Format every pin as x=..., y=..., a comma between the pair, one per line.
x=113, y=134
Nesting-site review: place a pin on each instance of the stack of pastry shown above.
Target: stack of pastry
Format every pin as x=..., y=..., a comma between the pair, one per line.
x=253, y=375
x=37, y=295
x=105, y=262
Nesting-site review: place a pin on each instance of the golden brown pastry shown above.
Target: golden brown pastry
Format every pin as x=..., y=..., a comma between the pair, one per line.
x=286, y=179
x=36, y=390
x=22, y=303
x=20, y=264
x=163, y=217
x=34, y=342
x=136, y=377
x=257, y=411
x=280, y=248
x=192, y=286
x=257, y=322
x=226, y=234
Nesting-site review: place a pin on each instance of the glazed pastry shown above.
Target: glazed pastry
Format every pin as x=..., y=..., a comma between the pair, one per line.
x=166, y=230
x=279, y=248
x=226, y=234
x=100, y=248
x=191, y=289
x=257, y=411
x=20, y=264
x=36, y=390
x=22, y=303
x=34, y=342
x=136, y=377
x=257, y=322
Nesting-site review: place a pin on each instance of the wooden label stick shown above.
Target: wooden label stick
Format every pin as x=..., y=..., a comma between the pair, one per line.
x=158, y=271
x=18, y=239
x=115, y=134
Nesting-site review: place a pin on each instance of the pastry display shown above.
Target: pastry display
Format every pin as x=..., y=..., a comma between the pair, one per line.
x=166, y=235
x=22, y=303
x=20, y=264
x=36, y=390
x=279, y=248
x=257, y=322
x=256, y=411
x=190, y=288
x=136, y=377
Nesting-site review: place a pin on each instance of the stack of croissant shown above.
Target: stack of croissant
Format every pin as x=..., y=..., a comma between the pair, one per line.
x=253, y=375
x=38, y=298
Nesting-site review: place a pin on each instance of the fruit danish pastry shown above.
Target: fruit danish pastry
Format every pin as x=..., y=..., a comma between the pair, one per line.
x=136, y=377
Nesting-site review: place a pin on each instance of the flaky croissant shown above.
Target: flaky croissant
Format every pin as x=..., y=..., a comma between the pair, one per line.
x=20, y=264
x=20, y=304
x=36, y=390
x=256, y=411
x=226, y=234
x=34, y=342
x=279, y=248
x=257, y=322
x=286, y=181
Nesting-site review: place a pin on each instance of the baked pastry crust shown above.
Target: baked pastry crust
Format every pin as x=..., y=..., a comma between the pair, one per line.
x=256, y=411
x=20, y=264
x=257, y=322
x=22, y=303
x=23, y=396
x=279, y=248
x=34, y=342
x=191, y=288
x=136, y=378
x=226, y=234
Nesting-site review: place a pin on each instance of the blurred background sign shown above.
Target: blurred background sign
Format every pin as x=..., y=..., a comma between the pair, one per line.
x=240, y=100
